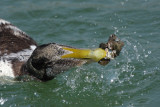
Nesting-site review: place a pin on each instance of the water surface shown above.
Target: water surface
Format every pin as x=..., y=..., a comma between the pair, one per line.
x=131, y=80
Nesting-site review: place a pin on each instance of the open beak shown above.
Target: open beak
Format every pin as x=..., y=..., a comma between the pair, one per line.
x=102, y=55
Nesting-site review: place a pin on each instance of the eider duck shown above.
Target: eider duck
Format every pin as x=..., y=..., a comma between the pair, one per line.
x=22, y=59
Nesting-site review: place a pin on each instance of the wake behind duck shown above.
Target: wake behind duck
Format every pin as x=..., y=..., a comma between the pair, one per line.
x=22, y=59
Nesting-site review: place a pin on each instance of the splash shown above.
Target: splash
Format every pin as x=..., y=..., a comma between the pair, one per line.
x=2, y=101
x=121, y=79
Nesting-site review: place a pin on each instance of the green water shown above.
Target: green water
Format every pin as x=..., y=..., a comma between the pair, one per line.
x=131, y=80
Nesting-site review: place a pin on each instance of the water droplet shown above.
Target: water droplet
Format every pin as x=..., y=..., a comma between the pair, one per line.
x=149, y=52
x=63, y=101
x=115, y=28
x=131, y=75
x=122, y=3
x=86, y=77
x=36, y=94
x=101, y=76
x=61, y=95
x=116, y=102
x=25, y=98
x=144, y=72
x=2, y=101
x=146, y=56
x=112, y=80
x=140, y=36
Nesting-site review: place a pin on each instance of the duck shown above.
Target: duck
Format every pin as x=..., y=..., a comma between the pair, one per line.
x=23, y=59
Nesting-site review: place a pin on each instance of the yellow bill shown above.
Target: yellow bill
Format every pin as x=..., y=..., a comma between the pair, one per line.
x=96, y=54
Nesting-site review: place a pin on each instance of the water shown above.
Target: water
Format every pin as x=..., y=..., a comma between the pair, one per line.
x=131, y=80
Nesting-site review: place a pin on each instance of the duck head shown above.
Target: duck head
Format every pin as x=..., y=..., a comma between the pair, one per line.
x=46, y=61
x=51, y=59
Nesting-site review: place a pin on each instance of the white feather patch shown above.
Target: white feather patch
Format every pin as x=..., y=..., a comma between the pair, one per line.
x=22, y=55
x=5, y=61
x=6, y=68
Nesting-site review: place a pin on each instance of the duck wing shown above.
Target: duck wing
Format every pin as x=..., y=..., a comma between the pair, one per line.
x=12, y=39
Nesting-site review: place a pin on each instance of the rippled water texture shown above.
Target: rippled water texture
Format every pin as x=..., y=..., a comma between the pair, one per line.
x=131, y=80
